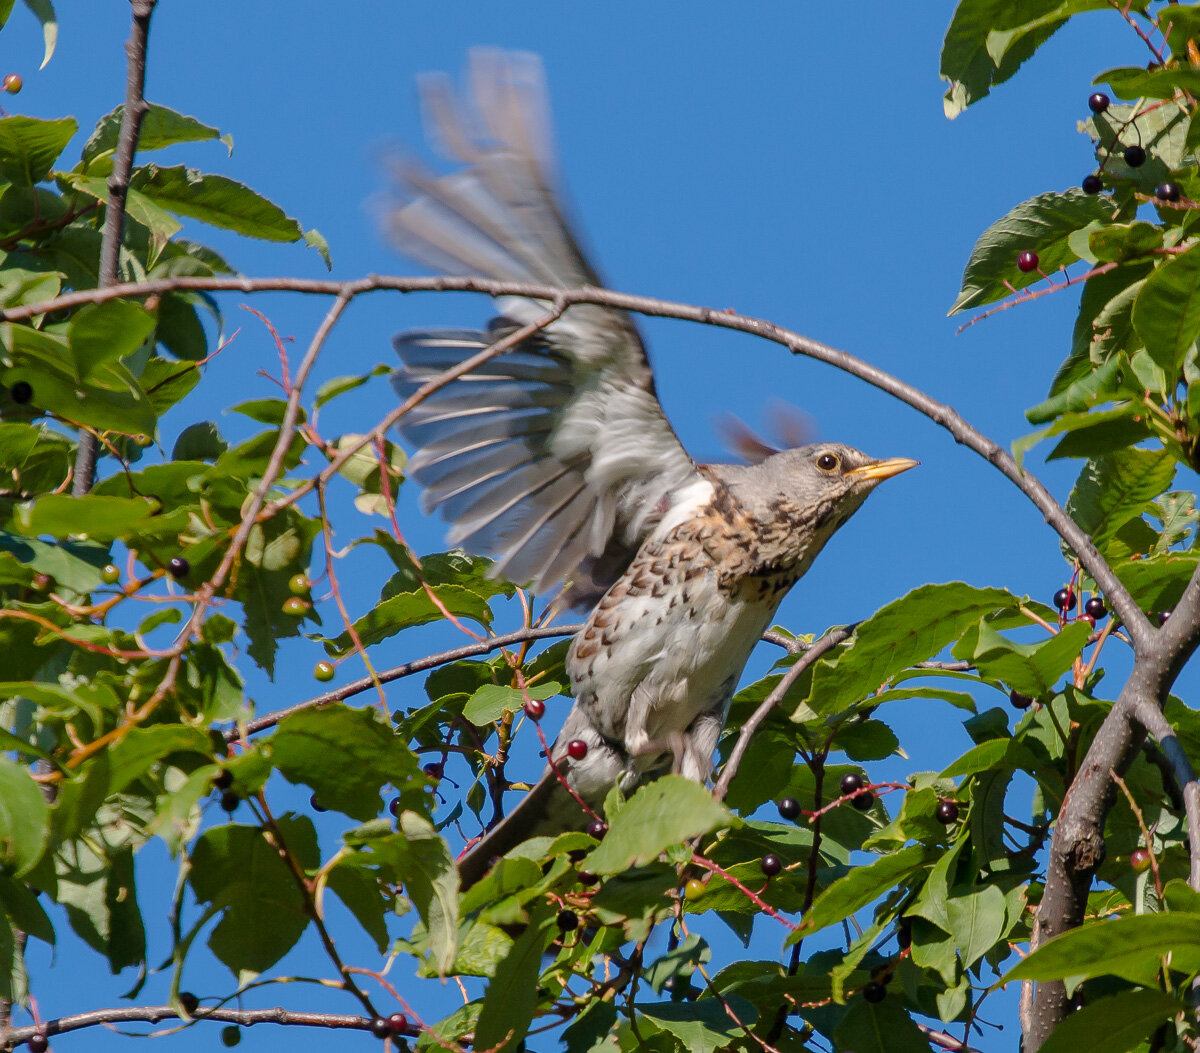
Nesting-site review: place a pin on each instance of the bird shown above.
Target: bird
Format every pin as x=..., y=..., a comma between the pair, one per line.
x=557, y=460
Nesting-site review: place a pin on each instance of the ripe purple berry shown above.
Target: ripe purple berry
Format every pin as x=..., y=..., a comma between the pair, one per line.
x=851, y=783
x=1095, y=607
x=1098, y=102
x=1135, y=156
x=1019, y=701
x=535, y=709
x=864, y=801
x=947, y=812
x=567, y=920
x=789, y=808
x=770, y=864
x=178, y=567
x=1092, y=184
x=21, y=392
x=597, y=828
x=1064, y=600
x=874, y=992
x=1027, y=261
x=1167, y=192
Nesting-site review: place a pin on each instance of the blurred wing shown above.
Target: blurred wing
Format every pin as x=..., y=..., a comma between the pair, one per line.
x=555, y=458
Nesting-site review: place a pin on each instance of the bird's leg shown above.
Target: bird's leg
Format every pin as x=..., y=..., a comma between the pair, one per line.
x=700, y=740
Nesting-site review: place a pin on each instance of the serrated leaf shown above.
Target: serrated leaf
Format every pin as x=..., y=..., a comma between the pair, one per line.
x=491, y=701
x=1116, y=488
x=1079, y=395
x=883, y=1027
x=977, y=921
x=29, y=147
x=199, y=442
x=23, y=819
x=408, y=609
x=703, y=1026
x=1166, y=313
x=511, y=997
x=1133, y=82
x=1032, y=669
x=910, y=629
x=161, y=126
x=861, y=886
x=1042, y=224
x=105, y=332
x=661, y=814
x=1115, y=1024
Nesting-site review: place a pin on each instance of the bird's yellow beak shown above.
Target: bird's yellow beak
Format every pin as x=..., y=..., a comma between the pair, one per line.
x=877, y=471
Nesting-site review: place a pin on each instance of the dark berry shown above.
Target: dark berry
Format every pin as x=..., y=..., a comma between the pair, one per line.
x=1095, y=607
x=851, y=783
x=434, y=770
x=904, y=934
x=1167, y=191
x=1019, y=701
x=694, y=889
x=1139, y=860
x=597, y=828
x=874, y=992
x=789, y=808
x=179, y=567
x=1092, y=184
x=1135, y=156
x=864, y=801
x=231, y=1035
x=1027, y=261
x=577, y=749
x=323, y=671
x=296, y=606
x=535, y=709
x=21, y=392
x=316, y=805
x=230, y=801
x=189, y=1002
x=1078, y=999
x=586, y=877
x=111, y=574
x=770, y=864
x=38, y=1043
x=394, y=806
x=13, y=84
x=379, y=1028
x=947, y=812
x=1098, y=102
x=567, y=920
x=1162, y=618
x=299, y=585
x=1087, y=618
x=223, y=779
x=1064, y=600
x=397, y=1023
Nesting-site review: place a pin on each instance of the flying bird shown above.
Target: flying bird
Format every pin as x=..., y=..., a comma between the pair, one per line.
x=556, y=459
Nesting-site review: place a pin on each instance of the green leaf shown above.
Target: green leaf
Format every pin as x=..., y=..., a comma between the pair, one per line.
x=160, y=127
x=511, y=997
x=236, y=870
x=43, y=11
x=910, y=629
x=1115, y=1024
x=992, y=754
x=1079, y=395
x=977, y=921
x=861, y=886
x=104, y=332
x=29, y=147
x=1134, y=82
x=216, y=200
x=363, y=897
x=141, y=748
x=1116, y=488
x=426, y=867
x=409, y=609
x=157, y=220
x=703, y=1026
x=199, y=442
x=1166, y=313
x=491, y=701
x=345, y=755
x=101, y=518
x=1125, y=241
x=23, y=819
x=331, y=389
x=1043, y=224
x=1034, y=668
x=661, y=814
x=1130, y=947
x=883, y=1027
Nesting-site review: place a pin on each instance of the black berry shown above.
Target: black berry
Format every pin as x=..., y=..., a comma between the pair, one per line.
x=1162, y=618
x=1095, y=607
x=397, y=1023
x=947, y=812
x=851, y=783
x=770, y=864
x=21, y=392
x=189, y=1002
x=223, y=779
x=535, y=709
x=567, y=920
x=394, y=806
x=1167, y=191
x=1078, y=999
x=586, y=877
x=1135, y=156
x=38, y=1043
x=789, y=808
x=1027, y=261
x=316, y=805
x=874, y=992
x=1064, y=600
x=230, y=801
x=597, y=828
x=904, y=934
x=179, y=567
x=1019, y=701
x=577, y=749
x=379, y=1028
x=1098, y=102
x=1087, y=618
x=1092, y=184
x=434, y=770
x=864, y=801
x=231, y=1036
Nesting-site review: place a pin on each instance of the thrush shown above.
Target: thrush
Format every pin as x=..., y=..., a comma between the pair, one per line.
x=556, y=459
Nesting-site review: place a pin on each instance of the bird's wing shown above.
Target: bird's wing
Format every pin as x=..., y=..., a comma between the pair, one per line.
x=555, y=458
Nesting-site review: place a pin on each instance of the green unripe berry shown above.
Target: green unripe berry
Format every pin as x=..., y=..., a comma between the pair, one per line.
x=299, y=585
x=323, y=671
x=111, y=574
x=694, y=889
x=296, y=607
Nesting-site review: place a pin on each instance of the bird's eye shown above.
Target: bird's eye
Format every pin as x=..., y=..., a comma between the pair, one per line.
x=828, y=462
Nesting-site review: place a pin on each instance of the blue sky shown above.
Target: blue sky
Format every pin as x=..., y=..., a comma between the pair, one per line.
x=776, y=158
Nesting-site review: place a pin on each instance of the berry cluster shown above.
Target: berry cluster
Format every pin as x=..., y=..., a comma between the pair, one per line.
x=1134, y=156
x=1093, y=609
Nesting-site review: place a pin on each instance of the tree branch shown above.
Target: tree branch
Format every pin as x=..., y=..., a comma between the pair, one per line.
x=118, y=190
x=1135, y=620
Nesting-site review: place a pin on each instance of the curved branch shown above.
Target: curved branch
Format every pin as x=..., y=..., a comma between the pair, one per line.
x=1135, y=620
